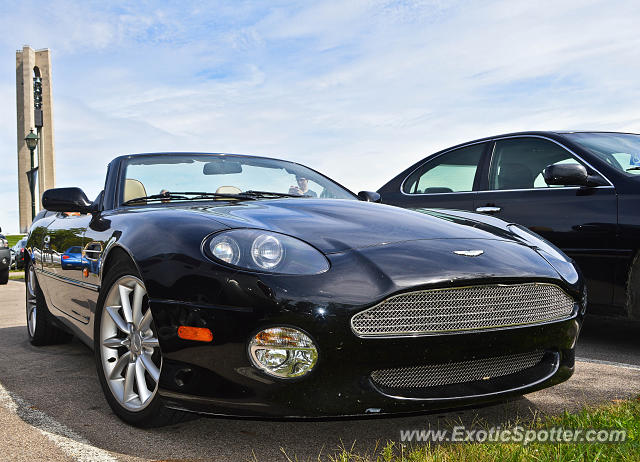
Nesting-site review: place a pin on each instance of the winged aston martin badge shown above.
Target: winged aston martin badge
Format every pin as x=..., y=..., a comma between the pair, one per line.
x=469, y=253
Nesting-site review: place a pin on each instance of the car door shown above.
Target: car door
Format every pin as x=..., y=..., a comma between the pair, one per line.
x=444, y=181
x=64, y=281
x=582, y=221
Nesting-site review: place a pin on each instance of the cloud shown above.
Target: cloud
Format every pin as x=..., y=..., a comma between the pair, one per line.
x=358, y=90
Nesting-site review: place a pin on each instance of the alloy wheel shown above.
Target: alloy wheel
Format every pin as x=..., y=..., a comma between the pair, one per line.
x=131, y=357
x=31, y=301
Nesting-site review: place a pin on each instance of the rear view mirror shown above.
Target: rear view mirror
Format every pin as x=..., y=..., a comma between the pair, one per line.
x=222, y=167
x=66, y=200
x=369, y=196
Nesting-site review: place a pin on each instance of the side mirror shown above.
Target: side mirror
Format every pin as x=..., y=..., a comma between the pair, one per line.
x=566, y=175
x=66, y=200
x=571, y=175
x=369, y=196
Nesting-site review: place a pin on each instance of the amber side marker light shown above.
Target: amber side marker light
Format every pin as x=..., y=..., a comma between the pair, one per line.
x=199, y=334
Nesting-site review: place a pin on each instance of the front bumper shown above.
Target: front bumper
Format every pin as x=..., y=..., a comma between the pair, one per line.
x=219, y=378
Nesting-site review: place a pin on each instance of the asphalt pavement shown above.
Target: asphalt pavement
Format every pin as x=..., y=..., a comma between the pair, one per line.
x=52, y=407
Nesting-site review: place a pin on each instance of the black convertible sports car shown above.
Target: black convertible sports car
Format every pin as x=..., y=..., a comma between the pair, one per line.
x=248, y=286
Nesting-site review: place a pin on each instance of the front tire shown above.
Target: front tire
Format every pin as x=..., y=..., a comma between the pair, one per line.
x=127, y=352
x=41, y=328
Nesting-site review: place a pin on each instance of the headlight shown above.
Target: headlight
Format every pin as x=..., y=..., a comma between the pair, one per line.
x=264, y=251
x=538, y=242
x=267, y=251
x=225, y=249
x=283, y=352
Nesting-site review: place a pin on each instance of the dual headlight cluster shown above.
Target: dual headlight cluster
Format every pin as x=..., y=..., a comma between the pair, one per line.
x=265, y=251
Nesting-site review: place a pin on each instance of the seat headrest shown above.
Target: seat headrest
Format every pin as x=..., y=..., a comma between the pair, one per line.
x=133, y=189
x=228, y=190
x=515, y=176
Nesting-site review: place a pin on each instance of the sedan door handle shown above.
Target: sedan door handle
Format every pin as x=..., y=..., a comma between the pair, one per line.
x=488, y=209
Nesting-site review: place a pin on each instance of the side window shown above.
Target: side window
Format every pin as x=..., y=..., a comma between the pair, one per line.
x=518, y=163
x=450, y=172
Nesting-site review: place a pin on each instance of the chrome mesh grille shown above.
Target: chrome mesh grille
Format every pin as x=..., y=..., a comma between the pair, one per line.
x=463, y=308
x=457, y=372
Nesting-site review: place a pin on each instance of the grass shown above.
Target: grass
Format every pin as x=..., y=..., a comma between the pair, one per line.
x=624, y=414
x=16, y=275
x=13, y=238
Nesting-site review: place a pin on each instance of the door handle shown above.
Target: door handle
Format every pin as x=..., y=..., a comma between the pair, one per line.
x=488, y=209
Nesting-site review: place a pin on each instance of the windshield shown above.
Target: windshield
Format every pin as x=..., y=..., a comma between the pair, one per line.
x=620, y=150
x=165, y=174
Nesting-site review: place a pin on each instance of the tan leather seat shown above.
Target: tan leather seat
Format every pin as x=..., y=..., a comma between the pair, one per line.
x=228, y=190
x=133, y=189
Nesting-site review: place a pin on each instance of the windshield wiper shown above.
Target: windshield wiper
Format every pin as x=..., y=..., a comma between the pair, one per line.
x=632, y=168
x=252, y=193
x=185, y=196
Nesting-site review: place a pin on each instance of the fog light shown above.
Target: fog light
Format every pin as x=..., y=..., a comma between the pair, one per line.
x=283, y=352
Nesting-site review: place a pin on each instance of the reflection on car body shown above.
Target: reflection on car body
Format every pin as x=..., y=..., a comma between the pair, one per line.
x=72, y=258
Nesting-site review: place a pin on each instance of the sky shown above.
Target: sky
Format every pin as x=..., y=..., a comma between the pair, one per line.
x=358, y=90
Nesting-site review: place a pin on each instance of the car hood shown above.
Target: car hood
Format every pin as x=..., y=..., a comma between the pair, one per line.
x=339, y=225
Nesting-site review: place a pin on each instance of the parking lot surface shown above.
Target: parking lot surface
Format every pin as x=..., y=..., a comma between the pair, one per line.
x=52, y=407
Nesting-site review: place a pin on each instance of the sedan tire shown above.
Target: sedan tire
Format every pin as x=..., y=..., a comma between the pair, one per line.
x=127, y=352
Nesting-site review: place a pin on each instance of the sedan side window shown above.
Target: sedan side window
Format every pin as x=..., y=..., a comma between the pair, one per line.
x=518, y=163
x=454, y=171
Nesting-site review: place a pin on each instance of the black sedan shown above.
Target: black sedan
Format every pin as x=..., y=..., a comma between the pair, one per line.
x=248, y=286
x=579, y=190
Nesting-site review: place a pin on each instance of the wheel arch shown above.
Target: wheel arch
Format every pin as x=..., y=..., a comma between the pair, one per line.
x=114, y=254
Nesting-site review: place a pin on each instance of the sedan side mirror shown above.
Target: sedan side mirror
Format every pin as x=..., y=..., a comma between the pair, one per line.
x=565, y=175
x=369, y=196
x=571, y=175
x=66, y=200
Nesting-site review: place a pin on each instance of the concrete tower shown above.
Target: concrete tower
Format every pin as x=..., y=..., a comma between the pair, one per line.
x=35, y=111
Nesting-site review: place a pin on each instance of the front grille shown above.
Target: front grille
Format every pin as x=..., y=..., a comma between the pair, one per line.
x=463, y=308
x=456, y=372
